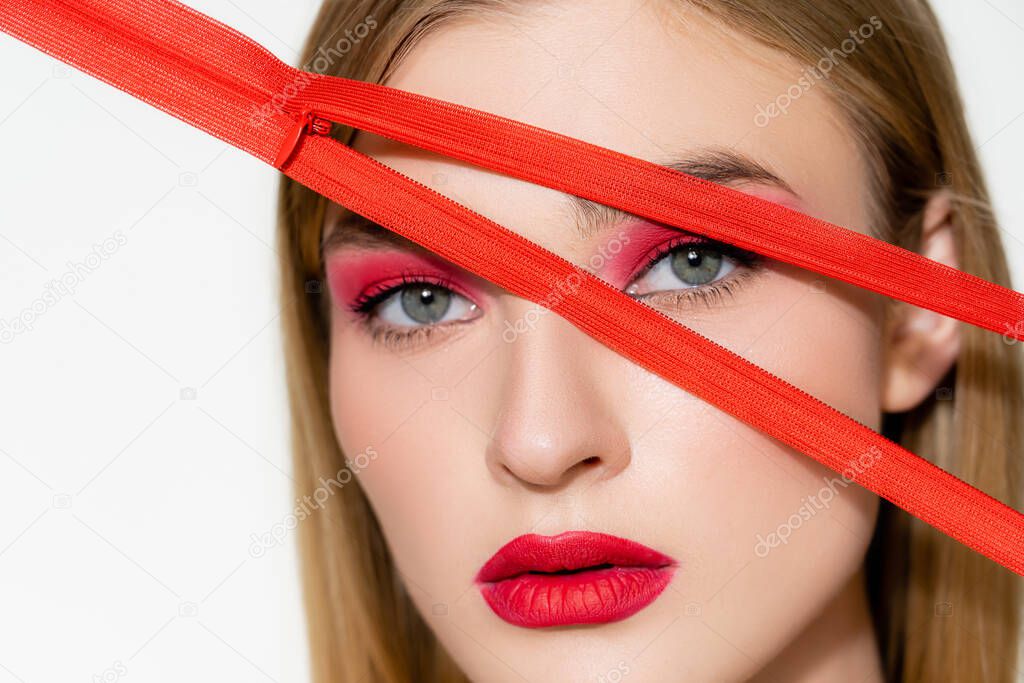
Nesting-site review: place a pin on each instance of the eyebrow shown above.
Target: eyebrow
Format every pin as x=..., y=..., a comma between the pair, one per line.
x=718, y=165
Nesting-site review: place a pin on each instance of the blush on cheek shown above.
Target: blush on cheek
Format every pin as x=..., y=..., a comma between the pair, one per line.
x=352, y=272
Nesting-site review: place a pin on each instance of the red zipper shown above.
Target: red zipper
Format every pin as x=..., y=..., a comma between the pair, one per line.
x=216, y=79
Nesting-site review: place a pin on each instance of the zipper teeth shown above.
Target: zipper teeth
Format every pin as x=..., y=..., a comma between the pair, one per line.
x=321, y=126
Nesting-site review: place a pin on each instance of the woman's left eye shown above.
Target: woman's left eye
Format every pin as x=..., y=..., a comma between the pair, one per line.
x=421, y=304
x=685, y=267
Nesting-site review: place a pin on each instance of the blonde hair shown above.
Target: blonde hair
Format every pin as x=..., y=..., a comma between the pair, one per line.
x=942, y=612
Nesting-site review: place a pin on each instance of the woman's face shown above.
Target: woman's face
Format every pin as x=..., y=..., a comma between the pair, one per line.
x=492, y=419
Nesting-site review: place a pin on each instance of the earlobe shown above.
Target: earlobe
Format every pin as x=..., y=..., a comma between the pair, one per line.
x=921, y=345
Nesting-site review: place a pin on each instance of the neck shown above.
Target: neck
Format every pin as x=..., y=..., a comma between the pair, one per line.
x=839, y=645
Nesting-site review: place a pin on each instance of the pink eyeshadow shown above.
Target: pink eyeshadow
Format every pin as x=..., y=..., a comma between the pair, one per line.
x=644, y=238
x=351, y=272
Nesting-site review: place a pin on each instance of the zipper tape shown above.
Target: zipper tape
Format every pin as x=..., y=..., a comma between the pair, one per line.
x=218, y=80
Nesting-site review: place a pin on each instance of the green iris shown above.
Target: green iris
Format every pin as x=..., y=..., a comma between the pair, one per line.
x=696, y=266
x=426, y=304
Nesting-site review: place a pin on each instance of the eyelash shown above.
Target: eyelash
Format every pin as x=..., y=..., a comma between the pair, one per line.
x=366, y=301
x=364, y=305
x=711, y=294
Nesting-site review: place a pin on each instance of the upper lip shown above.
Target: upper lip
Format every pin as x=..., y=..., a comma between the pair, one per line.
x=568, y=551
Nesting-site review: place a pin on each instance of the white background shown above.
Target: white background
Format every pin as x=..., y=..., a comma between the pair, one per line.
x=127, y=507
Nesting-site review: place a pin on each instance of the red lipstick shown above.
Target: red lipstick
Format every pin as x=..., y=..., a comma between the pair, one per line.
x=577, y=577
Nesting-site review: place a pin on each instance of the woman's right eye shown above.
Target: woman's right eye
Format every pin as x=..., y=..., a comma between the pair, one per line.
x=419, y=304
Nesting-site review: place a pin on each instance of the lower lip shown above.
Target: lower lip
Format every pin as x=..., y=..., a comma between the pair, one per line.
x=593, y=596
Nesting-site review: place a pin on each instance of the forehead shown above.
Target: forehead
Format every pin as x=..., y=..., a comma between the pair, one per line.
x=634, y=78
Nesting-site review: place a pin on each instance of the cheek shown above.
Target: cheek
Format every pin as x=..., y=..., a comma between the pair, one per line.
x=826, y=340
x=822, y=338
x=820, y=335
x=427, y=473
x=748, y=511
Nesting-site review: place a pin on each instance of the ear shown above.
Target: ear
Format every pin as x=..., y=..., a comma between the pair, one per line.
x=921, y=345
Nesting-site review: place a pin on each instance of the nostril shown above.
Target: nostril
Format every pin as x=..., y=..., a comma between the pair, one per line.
x=592, y=460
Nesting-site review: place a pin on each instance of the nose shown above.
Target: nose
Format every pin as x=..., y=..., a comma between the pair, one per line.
x=556, y=418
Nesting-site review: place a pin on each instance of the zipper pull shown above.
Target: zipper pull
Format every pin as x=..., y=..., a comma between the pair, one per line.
x=308, y=122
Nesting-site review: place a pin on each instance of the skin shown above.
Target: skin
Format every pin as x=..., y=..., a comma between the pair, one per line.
x=481, y=439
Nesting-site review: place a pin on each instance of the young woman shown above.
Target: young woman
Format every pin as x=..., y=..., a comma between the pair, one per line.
x=507, y=500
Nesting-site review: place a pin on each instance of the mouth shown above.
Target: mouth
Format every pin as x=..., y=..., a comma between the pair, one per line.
x=577, y=577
